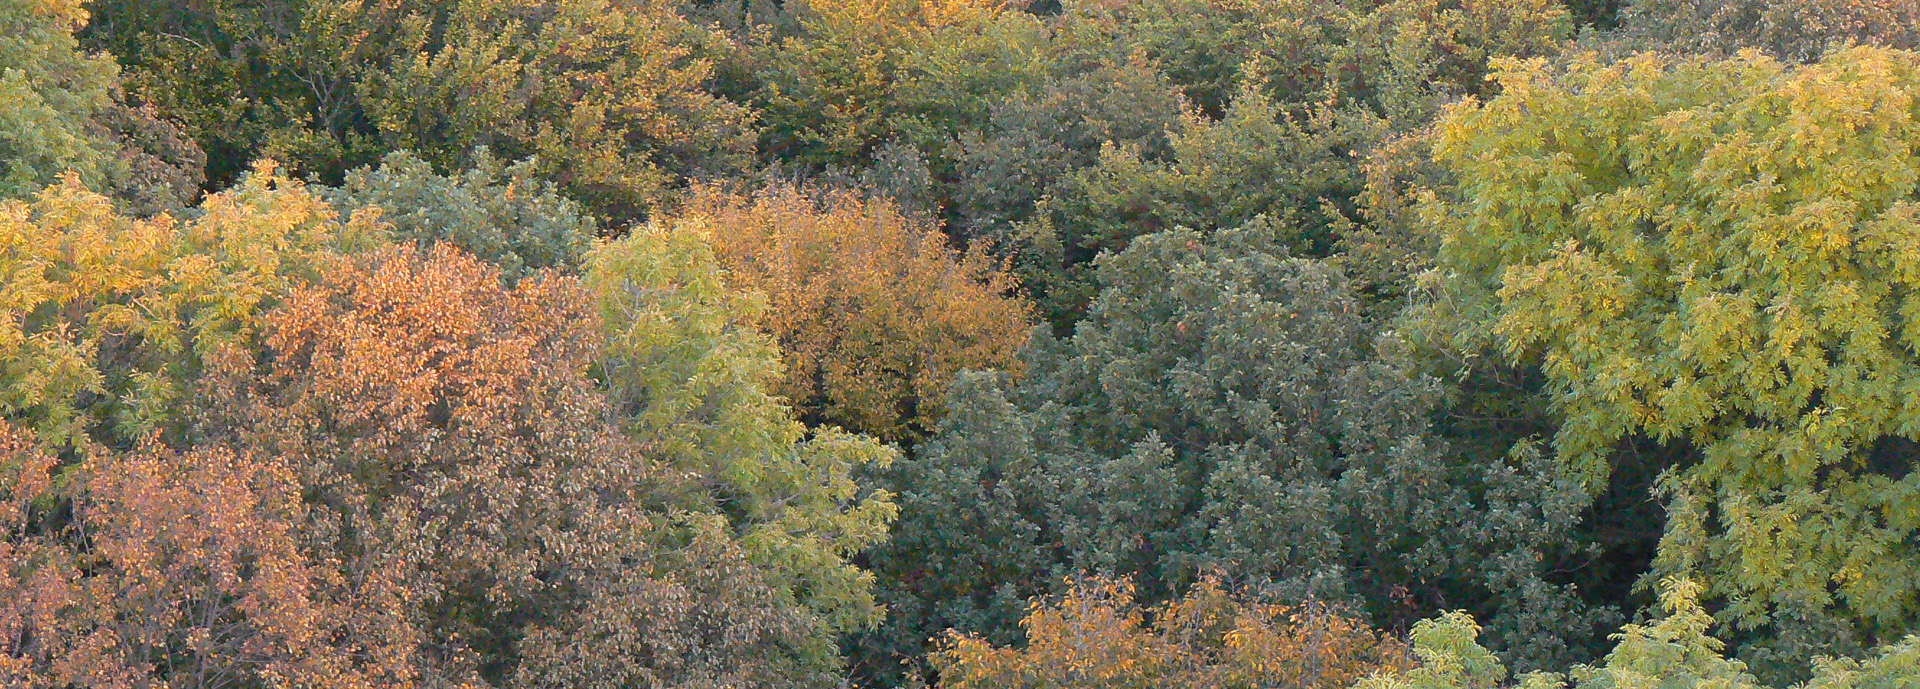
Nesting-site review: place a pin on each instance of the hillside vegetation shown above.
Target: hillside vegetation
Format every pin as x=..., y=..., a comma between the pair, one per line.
x=1211, y=344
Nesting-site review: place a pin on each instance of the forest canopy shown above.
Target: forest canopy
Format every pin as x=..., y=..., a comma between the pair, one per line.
x=1320, y=344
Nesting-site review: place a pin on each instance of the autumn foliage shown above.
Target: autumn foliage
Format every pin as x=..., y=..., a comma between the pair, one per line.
x=112, y=317
x=177, y=565
x=412, y=480
x=1311, y=344
x=1097, y=635
x=874, y=312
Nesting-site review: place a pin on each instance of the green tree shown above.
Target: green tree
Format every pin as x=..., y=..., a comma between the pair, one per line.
x=1275, y=109
x=607, y=97
x=1256, y=160
x=1225, y=406
x=851, y=75
x=1792, y=30
x=1672, y=652
x=503, y=214
x=691, y=375
x=1398, y=58
x=62, y=110
x=1032, y=141
x=1716, y=256
x=50, y=90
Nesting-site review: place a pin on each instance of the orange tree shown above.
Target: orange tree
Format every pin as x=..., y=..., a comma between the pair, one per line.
x=413, y=480
x=873, y=311
x=264, y=445
x=1096, y=635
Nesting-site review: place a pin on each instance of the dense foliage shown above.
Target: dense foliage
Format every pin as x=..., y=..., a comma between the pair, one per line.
x=1704, y=254
x=1794, y=30
x=396, y=470
x=113, y=317
x=692, y=381
x=1096, y=636
x=884, y=343
x=65, y=112
x=1672, y=651
x=874, y=313
x=606, y=95
x=505, y=215
x=1224, y=407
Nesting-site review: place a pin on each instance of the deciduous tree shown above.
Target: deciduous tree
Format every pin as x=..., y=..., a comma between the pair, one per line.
x=1792, y=30
x=691, y=376
x=1096, y=635
x=1716, y=256
x=1282, y=105
x=607, y=97
x=62, y=110
x=109, y=318
x=414, y=481
x=48, y=91
x=853, y=74
x=182, y=569
x=1674, y=650
x=873, y=312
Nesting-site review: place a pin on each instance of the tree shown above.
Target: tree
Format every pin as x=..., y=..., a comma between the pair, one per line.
x=1257, y=160
x=1791, y=30
x=472, y=463
x=1715, y=256
x=414, y=481
x=1031, y=142
x=1276, y=108
x=1672, y=651
x=62, y=110
x=968, y=550
x=873, y=312
x=1097, y=636
x=852, y=75
x=184, y=568
x=1401, y=59
x=110, y=318
x=607, y=97
x=50, y=90
x=691, y=376
x=504, y=215
x=1450, y=657
x=1226, y=406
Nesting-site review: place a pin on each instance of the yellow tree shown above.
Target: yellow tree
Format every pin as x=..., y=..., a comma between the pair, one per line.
x=108, y=317
x=1720, y=257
